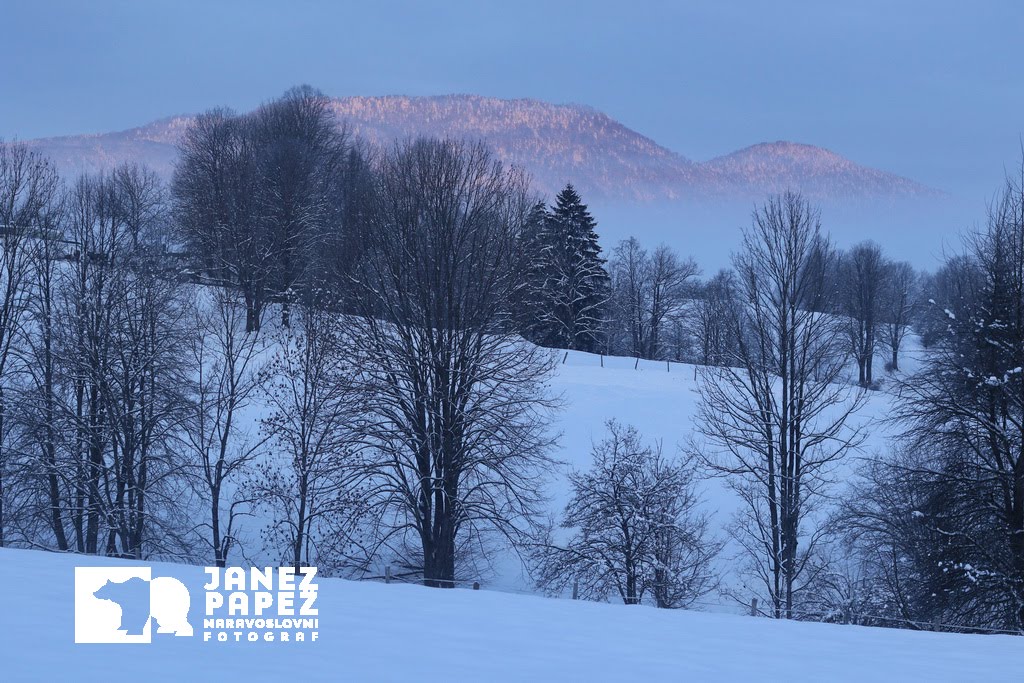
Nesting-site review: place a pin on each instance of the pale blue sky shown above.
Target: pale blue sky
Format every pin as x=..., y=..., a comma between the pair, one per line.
x=932, y=90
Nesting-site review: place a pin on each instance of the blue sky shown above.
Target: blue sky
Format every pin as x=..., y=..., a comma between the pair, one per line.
x=932, y=90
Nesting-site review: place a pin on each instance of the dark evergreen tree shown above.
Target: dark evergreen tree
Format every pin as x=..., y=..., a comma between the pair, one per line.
x=569, y=284
x=528, y=303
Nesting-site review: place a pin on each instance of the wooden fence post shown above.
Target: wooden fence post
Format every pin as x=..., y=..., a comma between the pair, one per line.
x=576, y=589
x=387, y=574
x=753, y=607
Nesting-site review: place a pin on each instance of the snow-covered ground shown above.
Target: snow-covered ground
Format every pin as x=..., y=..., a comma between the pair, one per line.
x=376, y=632
x=370, y=631
x=661, y=401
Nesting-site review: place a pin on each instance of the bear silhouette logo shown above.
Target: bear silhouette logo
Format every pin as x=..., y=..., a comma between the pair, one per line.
x=125, y=604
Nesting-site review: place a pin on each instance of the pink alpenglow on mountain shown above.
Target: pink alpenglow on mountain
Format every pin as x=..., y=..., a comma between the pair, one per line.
x=555, y=143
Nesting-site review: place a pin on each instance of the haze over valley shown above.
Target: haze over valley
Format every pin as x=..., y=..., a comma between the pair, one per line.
x=636, y=186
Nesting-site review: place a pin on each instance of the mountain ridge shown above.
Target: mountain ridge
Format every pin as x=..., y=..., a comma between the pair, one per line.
x=555, y=143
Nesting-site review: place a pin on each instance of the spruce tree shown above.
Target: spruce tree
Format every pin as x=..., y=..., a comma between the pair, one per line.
x=529, y=305
x=569, y=283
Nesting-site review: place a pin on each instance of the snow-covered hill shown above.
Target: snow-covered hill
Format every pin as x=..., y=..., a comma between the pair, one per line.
x=661, y=401
x=376, y=632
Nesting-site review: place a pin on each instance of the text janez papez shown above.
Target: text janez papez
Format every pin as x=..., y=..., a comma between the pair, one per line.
x=252, y=605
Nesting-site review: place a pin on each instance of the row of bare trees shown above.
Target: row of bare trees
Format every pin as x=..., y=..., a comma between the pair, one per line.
x=648, y=313
x=263, y=198
x=393, y=413
x=94, y=328
x=398, y=412
x=879, y=299
x=928, y=535
x=659, y=309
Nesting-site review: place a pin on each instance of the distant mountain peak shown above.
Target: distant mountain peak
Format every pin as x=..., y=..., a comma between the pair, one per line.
x=776, y=166
x=556, y=143
x=786, y=151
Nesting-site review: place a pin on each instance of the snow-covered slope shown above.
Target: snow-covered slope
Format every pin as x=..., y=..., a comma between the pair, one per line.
x=376, y=632
x=661, y=401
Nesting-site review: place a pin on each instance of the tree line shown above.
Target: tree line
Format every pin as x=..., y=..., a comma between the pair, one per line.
x=926, y=533
x=388, y=410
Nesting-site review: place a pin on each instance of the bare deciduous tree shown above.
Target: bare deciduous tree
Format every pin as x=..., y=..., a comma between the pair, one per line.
x=300, y=151
x=648, y=291
x=42, y=396
x=636, y=529
x=898, y=307
x=28, y=186
x=453, y=401
x=863, y=281
x=225, y=361
x=313, y=408
x=775, y=422
x=715, y=321
x=216, y=190
x=670, y=278
x=629, y=271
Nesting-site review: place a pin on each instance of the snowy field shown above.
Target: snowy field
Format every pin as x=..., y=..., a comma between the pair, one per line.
x=376, y=632
x=661, y=401
x=370, y=631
